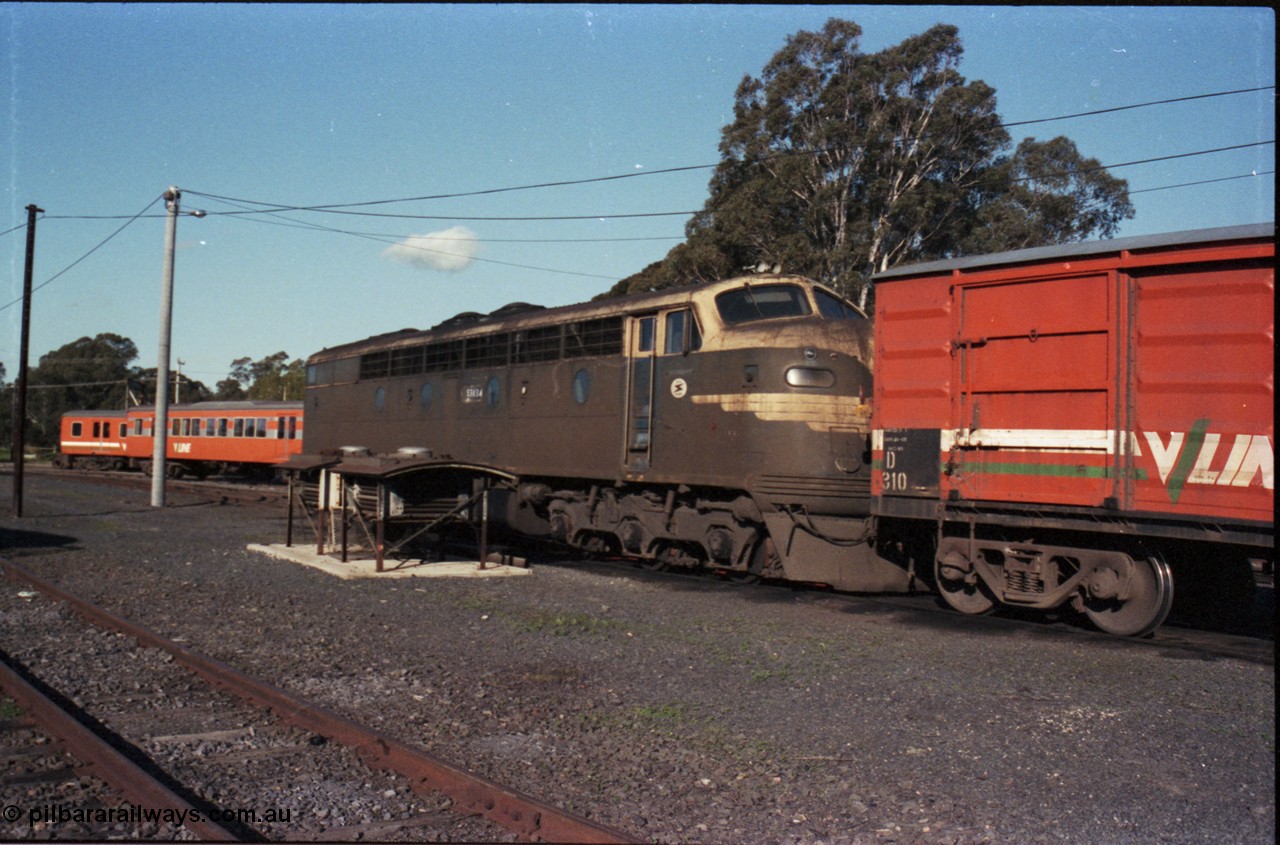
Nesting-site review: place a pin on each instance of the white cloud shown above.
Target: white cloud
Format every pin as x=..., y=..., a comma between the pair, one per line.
x=452, y=250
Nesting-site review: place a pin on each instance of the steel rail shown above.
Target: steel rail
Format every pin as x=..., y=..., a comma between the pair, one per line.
x=129, y=779
x=523, y=815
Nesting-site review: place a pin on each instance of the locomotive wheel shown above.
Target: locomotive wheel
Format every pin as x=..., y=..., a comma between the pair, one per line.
x=754, y=573
x=970, y=598
x=671, y=555
x=1150, y=597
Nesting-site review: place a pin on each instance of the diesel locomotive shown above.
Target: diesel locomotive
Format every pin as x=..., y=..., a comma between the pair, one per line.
x=725, y=425
x=1045, y=428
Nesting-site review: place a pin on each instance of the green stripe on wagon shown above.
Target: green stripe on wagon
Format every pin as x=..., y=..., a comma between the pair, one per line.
x=1055, y=470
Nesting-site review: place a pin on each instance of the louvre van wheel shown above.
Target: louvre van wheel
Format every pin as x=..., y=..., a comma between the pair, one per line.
x=1141, y=607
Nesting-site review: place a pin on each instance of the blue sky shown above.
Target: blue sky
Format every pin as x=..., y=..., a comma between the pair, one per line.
x=106, y=105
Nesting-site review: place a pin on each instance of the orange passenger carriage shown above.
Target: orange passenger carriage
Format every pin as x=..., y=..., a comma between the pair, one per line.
x=92, y=440
x=1086, y=423
x=204, y=438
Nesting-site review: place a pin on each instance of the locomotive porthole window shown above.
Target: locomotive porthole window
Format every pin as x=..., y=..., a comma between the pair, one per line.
x=379, y=398
x=492, y=392
x=426, y=396
x=581, y=387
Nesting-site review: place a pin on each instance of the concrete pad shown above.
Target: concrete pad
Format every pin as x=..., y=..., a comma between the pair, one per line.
x=367, y=567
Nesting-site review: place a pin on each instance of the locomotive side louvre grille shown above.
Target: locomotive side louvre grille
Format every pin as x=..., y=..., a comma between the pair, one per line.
x=406, y=361
x=602, y=336
x=487, y=350
x=540, y=344
x=443, y=356
x=584, y=339
x=803, y=485
x=374, y=364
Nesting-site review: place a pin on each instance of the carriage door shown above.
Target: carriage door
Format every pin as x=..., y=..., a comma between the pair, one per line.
x=1036, y=415
x=642, y=344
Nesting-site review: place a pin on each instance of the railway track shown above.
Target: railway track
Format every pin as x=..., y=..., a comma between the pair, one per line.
x=1250, y=636
x=165, y=740
x=226, y=490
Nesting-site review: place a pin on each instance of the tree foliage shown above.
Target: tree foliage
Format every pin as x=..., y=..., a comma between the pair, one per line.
x=89, y=373
x=99, y=373
x=272, y=377
x=840, y=164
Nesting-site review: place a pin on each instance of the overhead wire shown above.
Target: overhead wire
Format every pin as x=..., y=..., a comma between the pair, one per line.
x=589, y=180
x=1206, y=181
x=99, y=246
x=275, y=209
x=396, y=240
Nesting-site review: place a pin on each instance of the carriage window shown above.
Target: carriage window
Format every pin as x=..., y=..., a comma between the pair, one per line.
x=222, y=427
x=762, y=302
x=124, y=430
x=238, y=429
x=262, y=426
x=96, y=430
x=174, y=427
x=680, y=323
x=293, y=428
x=77, y=429
x=210, y=427
x=835, y=308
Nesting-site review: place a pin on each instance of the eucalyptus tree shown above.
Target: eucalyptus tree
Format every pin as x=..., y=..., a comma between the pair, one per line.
x=272, y=377
x=839, y=164
x=91, y=373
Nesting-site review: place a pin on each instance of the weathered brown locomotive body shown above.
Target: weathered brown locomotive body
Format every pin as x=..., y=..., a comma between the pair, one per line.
x=724, y=425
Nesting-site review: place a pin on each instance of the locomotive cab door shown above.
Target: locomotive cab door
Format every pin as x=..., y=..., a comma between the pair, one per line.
x=642, y=347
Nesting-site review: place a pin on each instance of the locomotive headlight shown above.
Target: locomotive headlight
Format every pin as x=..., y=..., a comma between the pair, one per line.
x=810, y=377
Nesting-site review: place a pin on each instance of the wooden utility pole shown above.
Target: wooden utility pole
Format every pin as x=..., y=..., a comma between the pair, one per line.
x=20, y=386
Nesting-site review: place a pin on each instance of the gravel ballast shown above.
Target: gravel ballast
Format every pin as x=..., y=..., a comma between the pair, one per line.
x=686, y=710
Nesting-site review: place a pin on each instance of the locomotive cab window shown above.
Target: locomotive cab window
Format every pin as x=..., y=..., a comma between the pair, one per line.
x=762, y=302
x=682, y=333
x=834, y=308
x=648, y=334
